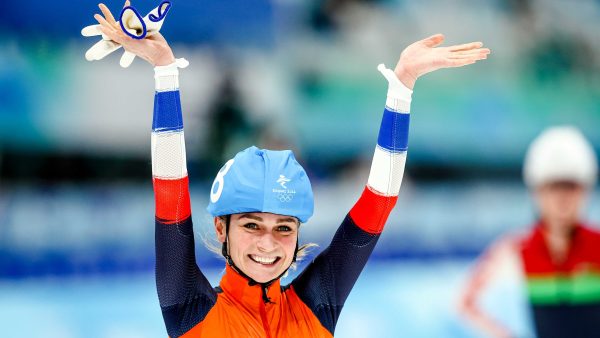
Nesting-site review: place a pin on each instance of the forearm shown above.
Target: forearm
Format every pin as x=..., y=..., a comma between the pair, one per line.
x=169, y=168
x=387, y=169
x=485, y=323
x=501, y=261
x=470, y=309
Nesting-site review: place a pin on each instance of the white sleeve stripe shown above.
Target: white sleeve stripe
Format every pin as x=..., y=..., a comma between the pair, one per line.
x=387, y=171
x=397, y=105
x=168, y=155
x=166, y=83
x=167, y=77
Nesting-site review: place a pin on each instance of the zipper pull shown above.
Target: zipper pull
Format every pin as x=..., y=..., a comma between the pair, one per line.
x=265, y=298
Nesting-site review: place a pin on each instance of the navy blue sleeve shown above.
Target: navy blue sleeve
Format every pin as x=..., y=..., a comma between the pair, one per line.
x=184, y=293
x=327, y=281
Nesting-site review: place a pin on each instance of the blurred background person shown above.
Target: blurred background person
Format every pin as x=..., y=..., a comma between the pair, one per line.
x=559, y=256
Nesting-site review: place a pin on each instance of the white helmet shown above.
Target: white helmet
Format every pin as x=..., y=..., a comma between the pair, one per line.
x=560, y=153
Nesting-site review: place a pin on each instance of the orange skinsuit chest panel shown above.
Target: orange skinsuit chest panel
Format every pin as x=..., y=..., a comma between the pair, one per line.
x=240, y=308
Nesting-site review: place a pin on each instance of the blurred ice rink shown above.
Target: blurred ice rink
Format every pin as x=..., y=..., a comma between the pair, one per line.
x=391, y=299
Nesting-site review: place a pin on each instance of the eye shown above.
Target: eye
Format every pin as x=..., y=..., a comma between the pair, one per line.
x=284, y=228
x=251, y=226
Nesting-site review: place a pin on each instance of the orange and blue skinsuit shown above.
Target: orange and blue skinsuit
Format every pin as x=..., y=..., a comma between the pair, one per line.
x=311, y=304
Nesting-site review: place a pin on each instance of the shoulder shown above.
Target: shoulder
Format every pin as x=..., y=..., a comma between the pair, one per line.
x=509, y=247
x=591, y=232
x=592, y=229
x=514, y=240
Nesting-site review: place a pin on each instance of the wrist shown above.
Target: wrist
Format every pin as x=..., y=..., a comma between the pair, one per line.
x=399, y=94
x=162, y=56
x=164, y=60
x=167, y=76
x=405, y=76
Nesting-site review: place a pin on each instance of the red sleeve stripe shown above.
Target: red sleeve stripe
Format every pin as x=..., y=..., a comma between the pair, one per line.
x=172, y=199
x=372, y=210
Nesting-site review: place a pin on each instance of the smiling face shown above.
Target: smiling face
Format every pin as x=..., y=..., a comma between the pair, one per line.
x=260, y=244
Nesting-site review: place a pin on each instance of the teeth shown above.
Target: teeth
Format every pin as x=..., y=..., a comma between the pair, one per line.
x=263, y=260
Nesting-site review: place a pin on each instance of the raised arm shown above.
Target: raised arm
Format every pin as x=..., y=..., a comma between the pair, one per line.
x=387, y=169
x=328, y=280
x=185, y=295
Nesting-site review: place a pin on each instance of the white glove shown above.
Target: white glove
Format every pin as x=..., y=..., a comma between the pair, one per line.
x=133, y=25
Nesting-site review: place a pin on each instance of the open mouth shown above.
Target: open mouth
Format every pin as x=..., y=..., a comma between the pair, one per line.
x=262, y=260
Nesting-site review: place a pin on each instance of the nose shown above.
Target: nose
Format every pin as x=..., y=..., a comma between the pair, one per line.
x=266, y=243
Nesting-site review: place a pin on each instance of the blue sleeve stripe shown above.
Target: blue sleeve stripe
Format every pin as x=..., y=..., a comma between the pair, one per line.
x=393, y=134
x=167, y=111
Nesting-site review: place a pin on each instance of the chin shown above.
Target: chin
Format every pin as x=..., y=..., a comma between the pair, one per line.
x=571, y=220
x=263, y=273
x=567, y=219
x=262, y=278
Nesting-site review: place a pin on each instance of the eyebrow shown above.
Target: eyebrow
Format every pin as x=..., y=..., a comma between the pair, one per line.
x=286, y=220
x=279, y=220
x=256, y=218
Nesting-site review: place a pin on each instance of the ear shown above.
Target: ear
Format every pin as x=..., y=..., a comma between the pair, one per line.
x=220, y=229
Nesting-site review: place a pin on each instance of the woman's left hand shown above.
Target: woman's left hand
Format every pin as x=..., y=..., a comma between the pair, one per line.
x=425, y=56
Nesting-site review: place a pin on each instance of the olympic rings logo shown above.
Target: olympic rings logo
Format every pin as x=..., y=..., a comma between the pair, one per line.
x=285, y=197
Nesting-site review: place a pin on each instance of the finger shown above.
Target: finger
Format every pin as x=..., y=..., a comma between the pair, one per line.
x=126, y=59
x=102, y=21
x=433, y=41
x=101, y=49
x=455, y=64
x=104, y=26
x=107, y=33
x=462, y=62
x=468, y=59
x=127, y=4
x=465, y=46
x=91, y=30
x=107, y=14
x=475, y=52
x=112, y=34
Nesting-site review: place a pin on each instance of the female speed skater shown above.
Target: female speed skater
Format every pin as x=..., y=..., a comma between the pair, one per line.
x=258, y=200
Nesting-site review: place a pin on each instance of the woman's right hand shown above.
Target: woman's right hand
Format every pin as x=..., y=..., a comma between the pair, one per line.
x=154, y=49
